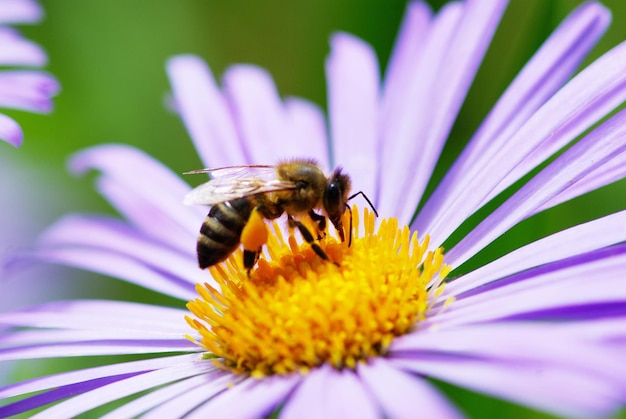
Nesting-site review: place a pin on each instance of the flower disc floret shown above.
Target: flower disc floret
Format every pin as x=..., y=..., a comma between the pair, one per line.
x=297, y=311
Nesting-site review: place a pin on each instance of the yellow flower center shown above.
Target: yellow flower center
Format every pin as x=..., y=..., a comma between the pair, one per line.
x=297, y=311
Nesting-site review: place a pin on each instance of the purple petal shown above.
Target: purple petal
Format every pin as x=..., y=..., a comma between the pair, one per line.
x=185, y=403
x=88, y=374
x=113, y=264
x=98, y=348
x=407, y=113
x=20, y=11
x=465, y=39
x=602, y=145
x=267, y=130
x=57, y=394
x=403, y=395
x=559, y=284
x=17, y=51
x=10, y=131
x=407, y=53
x=539, y=385
x=27, y=90
x=544, y=74
x=582, y=102
x=123, y=388
x=95, y=315
x=145, y=215
x=249, y=399
x=176, y=391
x=327, y=393
x=114, y=236
x=574, y=241
x=308, y=125
x=205, y=112
x=142, y=175
x=554, y=344
x=607, y=173
x=353, y=95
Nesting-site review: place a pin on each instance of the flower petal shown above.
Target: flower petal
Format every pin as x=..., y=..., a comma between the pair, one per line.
x=113, y=264
x=142, y=176
x=451, y=73
x=117, y=390
x=90, y=374
x=402, y=395
x=268, y=129
x=574, y=241
x=170, y=406
x=260, y=398
x=145, y=216
x=10, y=131
x=17, y=51
x=327, y=393
x=99, y=315
x=542, y=76
x=27, y=90
x=557, y=390
x=205, y=112
x=543, y=288
x=20, y=11
x=114, y=236
x=559, y=345
x=605, y=143
x=353, y=82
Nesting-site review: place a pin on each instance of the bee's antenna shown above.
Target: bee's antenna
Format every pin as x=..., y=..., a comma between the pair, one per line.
x=368, y=201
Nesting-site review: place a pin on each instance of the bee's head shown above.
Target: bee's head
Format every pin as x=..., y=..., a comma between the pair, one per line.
x=335, y=199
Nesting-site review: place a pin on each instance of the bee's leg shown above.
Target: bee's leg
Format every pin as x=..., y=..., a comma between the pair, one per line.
x=250, y=257
x=321, y=223
x=308, y=237
x=253, y=237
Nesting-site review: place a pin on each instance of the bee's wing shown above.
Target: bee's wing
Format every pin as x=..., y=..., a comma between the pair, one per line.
x=236, y=182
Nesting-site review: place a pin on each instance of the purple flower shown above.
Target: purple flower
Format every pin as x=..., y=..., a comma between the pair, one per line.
x=21, y=88
x=541, y=326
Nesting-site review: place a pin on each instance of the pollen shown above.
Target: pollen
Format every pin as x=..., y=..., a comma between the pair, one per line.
x=297, y=311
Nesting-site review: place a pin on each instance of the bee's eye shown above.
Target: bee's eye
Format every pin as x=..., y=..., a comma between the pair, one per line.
x=332, y=192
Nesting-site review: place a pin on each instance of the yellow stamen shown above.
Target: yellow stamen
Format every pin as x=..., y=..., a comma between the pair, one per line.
x=297, y=311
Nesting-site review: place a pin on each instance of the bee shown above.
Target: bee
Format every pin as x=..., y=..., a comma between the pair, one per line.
x=241, y=197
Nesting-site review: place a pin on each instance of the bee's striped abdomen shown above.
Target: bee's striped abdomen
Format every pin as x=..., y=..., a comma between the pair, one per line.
x=221, y=230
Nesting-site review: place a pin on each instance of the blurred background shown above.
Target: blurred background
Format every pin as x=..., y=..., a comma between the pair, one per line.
x=109, y=57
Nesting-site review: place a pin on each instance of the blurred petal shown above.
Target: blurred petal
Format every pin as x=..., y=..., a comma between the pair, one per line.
x=265, y=129
x=205, y=112
x=95, y=315
x=115, y=236
x=353, y=94
x=27, y=90
x=19, y=51
x=10, y=131
x=19, y=11
x=142, y=176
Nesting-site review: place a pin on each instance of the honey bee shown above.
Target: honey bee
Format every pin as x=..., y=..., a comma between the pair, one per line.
x=242, y=196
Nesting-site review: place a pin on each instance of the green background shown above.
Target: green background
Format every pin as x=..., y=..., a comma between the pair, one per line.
x=109, y=56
